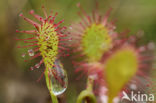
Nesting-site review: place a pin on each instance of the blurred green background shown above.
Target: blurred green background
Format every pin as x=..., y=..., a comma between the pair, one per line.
x=17, y=83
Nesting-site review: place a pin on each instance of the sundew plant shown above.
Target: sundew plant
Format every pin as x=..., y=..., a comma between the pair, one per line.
x=48, y=38
x=114, y=64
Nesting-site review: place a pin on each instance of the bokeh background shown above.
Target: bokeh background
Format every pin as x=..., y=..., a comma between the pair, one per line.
x=17, y=83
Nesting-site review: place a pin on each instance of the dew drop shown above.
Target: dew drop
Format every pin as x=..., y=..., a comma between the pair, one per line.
x=31, y=52
x=59, y=79
x=23, y=55
x=37, y=65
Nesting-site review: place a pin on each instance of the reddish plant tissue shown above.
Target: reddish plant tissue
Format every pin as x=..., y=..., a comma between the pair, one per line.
x=94, y=65
x=47, y=40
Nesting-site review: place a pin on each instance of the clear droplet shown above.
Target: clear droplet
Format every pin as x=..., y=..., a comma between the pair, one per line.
x=23, y=55
x=59, y=79
x=31, y=52
x=37, y=65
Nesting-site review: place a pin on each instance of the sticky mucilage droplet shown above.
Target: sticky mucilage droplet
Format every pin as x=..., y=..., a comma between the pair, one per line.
x=58, y=78
x=31, y=52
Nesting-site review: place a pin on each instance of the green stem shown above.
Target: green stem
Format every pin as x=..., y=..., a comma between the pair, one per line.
x=90, y=84
x=87, y=95
x=49, y=85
